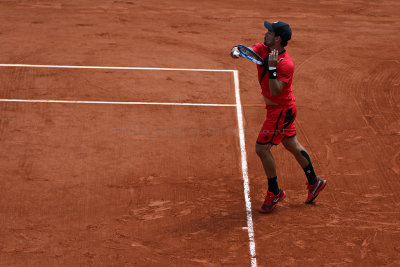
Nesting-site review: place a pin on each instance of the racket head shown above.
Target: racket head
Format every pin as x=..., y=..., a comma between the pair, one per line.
x=248, y=53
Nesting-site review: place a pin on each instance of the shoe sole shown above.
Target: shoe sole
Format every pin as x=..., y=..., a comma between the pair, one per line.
x=267, y=211
x=317, y=193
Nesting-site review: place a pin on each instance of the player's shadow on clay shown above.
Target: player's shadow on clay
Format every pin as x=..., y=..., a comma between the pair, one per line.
x=285, y=208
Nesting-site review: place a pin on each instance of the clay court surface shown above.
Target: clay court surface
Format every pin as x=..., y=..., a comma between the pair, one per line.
x=85, y=183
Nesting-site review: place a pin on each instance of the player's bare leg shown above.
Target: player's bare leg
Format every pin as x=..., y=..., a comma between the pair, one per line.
x=294, y=146
x=268, y=162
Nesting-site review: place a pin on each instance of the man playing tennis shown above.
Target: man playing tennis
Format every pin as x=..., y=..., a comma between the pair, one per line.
x=275, y=77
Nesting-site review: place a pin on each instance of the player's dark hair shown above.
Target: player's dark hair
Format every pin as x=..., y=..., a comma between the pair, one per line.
x=284, y=41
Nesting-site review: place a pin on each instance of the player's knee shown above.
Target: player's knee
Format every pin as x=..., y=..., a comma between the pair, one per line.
x=290, y=145
x=261, y=150
x=286, y=144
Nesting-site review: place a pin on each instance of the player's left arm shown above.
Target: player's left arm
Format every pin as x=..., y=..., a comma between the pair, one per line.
x=275, y=85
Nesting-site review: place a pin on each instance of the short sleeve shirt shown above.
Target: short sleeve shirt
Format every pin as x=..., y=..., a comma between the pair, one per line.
x=285, y=71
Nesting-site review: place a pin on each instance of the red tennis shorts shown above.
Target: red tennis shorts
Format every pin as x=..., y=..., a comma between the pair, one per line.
x=278, y=124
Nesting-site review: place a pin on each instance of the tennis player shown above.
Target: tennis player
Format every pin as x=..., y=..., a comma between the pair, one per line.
x=275, y=77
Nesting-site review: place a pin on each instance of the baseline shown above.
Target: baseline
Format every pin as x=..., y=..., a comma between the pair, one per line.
x=114, y=103
x=105, y=67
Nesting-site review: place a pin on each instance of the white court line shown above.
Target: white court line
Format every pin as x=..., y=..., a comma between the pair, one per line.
x=115, y=103
x=245, y=175
x=239, y=112
x=105, y=67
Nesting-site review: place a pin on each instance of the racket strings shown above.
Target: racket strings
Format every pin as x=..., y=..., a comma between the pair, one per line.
x=250, y=54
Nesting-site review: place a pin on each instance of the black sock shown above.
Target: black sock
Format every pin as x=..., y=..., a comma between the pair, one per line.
x=309, y=171
x=273, y=185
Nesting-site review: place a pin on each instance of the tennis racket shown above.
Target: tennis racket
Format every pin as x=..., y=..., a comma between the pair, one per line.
x=248, y=53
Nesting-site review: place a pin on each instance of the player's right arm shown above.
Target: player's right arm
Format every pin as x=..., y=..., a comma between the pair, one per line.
x=235, y=52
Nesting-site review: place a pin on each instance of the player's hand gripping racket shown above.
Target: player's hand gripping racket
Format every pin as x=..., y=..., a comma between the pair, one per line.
x=248, y=53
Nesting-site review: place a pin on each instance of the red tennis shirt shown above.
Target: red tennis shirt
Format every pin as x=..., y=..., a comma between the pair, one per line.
x=285, y=71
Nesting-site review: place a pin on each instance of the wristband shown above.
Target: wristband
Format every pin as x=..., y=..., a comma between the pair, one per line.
x=272, y=73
